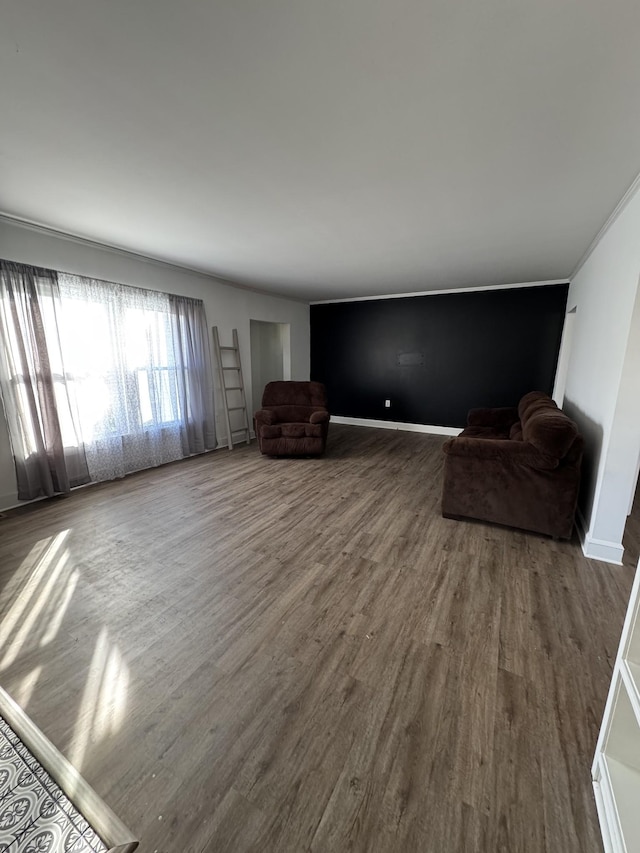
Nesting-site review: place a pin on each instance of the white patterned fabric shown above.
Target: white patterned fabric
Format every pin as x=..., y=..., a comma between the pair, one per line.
x=118, y=356
x=35, y=396
x=99, y=379
x=35, y=815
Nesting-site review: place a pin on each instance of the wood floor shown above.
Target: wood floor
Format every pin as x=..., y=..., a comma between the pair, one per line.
x=249, y=654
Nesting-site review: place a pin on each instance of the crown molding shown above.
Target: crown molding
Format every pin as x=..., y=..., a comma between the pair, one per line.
x=48, y=231
x=611, y=219
x=444, y=292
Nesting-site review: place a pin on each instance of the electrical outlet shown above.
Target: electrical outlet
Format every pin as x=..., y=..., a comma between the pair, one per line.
x=387, y=404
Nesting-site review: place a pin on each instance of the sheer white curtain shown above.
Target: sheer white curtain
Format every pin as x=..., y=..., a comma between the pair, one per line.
x=99, y=379
x=192, y=356
x=123, y=358
x=36, y=398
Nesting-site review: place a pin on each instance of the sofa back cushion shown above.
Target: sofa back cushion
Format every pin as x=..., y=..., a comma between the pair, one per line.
x=534, y=401
x=515, y=433
x=550, y=431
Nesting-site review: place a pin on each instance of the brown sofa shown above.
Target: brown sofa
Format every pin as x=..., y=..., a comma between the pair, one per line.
x=293, y=420
x=515, y=466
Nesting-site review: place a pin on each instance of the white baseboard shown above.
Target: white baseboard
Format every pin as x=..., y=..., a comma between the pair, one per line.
x=433, y=430
x=223, y=444
x=9, y=501
x=598, y=549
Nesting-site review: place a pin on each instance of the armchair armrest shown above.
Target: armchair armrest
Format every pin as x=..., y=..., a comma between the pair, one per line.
x=502, y=417
x=319, y=417
x=265, y=416
x=500, y=450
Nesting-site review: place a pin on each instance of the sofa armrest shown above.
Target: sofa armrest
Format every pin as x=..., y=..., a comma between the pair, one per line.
x=500, y=450
x=504, y=417
x=319, y=417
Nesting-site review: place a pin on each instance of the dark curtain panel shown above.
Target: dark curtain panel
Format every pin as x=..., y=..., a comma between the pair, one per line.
x=36, y=398
x=192, y=354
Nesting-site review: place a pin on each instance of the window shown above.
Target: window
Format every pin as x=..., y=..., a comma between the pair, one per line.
x=111, y=364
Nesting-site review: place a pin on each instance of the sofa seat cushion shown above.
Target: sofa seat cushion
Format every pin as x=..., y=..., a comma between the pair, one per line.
x=291, y=431
x=484, y=432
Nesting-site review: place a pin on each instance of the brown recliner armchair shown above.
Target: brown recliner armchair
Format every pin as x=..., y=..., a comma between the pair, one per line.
x=293, y=420
x=519, y=467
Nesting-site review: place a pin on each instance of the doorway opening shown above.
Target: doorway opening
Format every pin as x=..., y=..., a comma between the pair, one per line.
x=270, y=356
x=627, y=415
x=631, y=536
x=564, y=357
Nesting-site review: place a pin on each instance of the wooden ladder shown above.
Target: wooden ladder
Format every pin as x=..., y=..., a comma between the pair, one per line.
x=234, y=386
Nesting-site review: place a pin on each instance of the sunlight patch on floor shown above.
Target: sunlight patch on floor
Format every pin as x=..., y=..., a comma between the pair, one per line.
x=26, y=687
x=34, y=605
x=104, y=700
x=41, y=591
x=56, y=617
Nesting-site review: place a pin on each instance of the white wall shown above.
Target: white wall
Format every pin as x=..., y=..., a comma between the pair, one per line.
x=227, y=307
x=603, y=381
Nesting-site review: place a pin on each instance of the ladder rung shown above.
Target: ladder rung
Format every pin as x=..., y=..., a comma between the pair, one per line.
x=227, y=389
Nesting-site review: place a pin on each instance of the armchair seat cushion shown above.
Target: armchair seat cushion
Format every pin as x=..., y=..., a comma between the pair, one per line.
x=291, y=430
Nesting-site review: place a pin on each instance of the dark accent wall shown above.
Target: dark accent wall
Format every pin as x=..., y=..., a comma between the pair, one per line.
x=435, y=357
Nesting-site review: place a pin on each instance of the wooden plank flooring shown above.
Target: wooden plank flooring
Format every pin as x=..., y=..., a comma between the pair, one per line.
x=250, y=654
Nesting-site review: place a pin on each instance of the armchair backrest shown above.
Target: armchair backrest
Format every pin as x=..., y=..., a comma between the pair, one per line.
x=291, y=393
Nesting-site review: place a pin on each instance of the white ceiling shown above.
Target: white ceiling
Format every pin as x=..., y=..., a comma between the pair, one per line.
x=324, y=148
